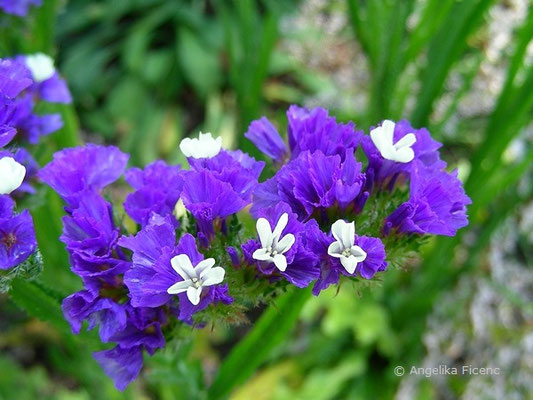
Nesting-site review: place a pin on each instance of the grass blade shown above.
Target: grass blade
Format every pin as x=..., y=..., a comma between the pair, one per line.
x=270, y=331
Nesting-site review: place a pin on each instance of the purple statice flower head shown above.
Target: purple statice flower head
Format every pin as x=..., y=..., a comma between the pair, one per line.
x=162, y=270
x=132, y=329
x=14, y=78
x=25, y=80
x=17, y=236
x=75, y=170
x=105, y=313
x=89, y=230
x=280, y=248
x=24, y=158
x=313, y=183
x=99, y=273
x=209, y=199
x=7, y=133
x=266, y=138
x=313, y=129
x=123, y=365
x=47, y=84
x=124, y=362
x=238, y=169
x=391, y=148
x=19, y=8
x=7, y=205
x=32, y=126
x=308, y=130
x=437, y=204
x=234, y=256
x=344, y=252
x=157, y=190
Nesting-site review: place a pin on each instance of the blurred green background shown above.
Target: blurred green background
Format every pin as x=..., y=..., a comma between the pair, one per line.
x=146, y=73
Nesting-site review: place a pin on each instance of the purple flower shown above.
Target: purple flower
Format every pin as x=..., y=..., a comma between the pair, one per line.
x=312, y=130
x=158, y=188
x=6, y=206
x=158, y=268
x=280, y=250
x=87, y=306
x=14, y=78
x=99, y=272
x=267, y=139
x=89, y=167
x=53, y=90
x=7, y=133
x=311, y=183
x=234, y=167
x=23, y=157
x=143, y=328
x=89, y=230
x=400, y=144
x=122, y=365
x=18, y=7
x=17, y=237
x=437, y=204
x=367, y=252
x=209, y=199
x=32, y=126
x=151, y=274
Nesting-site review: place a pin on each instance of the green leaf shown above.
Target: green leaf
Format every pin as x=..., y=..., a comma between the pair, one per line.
x=199, y=62
x=444, y=50
x=36, y=302
x=29, y=269
x=270, y=331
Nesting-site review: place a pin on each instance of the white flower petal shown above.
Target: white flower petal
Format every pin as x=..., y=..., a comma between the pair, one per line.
x=388, y=129
x=286, y=243
x=205, y=146
x=11, y=175
x=183, y=266
x=349, y=264
x=348, y=235
x=213, y=277
x=383, y=135
x=204, y=266
x=280, y=262
x=41, y=66
x=261, y=255
x=179, y=287
x=264, y=231
x=335, y=249
x=186, y=147
x=193, y=294
x=383, y=139
x=407, y=141
x=337, y=230
x=358, y=253
x=404, y=155
x=282, y=223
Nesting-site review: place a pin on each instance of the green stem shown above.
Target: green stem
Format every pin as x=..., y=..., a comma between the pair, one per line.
x=270, y=331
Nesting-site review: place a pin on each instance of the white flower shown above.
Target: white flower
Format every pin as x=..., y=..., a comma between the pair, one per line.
x=383, y=138
x=273, y=246
x=204, y=147
x=41, y=66
x=195, y=278
x=11, y=175
x=345, y=248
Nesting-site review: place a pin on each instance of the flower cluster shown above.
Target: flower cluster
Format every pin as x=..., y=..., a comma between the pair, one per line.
x=19, y=8
x=183, y=248
x=24, y=80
